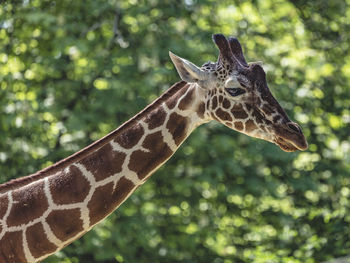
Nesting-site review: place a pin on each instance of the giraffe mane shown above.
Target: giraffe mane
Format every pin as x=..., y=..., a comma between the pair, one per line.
x=15, y=183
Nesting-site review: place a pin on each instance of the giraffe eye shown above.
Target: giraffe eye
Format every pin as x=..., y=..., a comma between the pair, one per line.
x=235, y=91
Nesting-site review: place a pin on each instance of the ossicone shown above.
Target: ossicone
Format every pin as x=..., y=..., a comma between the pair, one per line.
x=230, y=51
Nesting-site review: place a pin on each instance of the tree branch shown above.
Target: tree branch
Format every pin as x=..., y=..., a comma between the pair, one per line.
x=117, y=35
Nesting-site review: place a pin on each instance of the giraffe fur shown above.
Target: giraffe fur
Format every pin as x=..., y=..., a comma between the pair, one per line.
x=42, y=213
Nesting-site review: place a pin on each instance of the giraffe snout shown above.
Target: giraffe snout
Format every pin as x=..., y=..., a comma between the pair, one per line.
x=290, y=137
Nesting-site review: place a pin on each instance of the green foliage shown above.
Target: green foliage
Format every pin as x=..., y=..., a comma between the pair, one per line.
x=71, y=71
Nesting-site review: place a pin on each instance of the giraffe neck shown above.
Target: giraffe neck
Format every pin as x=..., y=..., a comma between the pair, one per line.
x=41, y=214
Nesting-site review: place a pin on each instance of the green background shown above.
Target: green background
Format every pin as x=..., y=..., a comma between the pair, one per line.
x=72, y=71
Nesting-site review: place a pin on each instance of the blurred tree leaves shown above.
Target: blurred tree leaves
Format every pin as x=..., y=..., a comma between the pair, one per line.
x=71, y=71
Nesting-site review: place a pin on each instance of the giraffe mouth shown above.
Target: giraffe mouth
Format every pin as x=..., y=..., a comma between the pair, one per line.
x=290, y=138
x=285, y=145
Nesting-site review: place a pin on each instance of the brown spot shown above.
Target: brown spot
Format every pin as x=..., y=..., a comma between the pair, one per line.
x=239, y=125
x=250, y=126
x=223, y=115
x=257, y=116
x=267, y=109
x=105, y=199
x=201, y=110
x=248, y=107
x=69, y=186
x=208, y=103
x=177, y=126
x=221, y=98
x=226, y=103
x=276, y=118
x=66, y=223
x=229, y=124
x=214, y=103
x=238, y=112
x=37, y=241
x=3, y=206
x=186, y=101
x=155, y=118
x=144, y=162
x=29, y=203
x=171, y=102
x=11, y=249
x=104, y=162
x=130, y=137
x=237, y=107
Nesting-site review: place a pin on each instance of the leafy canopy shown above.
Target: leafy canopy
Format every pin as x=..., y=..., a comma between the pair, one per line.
x=71, y=71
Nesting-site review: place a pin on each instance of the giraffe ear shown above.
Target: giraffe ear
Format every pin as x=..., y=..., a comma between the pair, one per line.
x=188, y=71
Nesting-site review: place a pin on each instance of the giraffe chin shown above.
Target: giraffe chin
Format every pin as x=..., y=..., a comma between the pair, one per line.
x=285, y=145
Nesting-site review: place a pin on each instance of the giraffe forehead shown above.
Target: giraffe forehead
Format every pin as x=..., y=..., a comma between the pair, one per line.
x=220, y=70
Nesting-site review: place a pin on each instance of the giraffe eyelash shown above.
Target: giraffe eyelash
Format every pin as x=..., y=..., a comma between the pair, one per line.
x=243, y=85
x=235, y=91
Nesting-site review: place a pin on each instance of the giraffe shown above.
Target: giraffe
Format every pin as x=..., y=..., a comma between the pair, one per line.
x=44, y=212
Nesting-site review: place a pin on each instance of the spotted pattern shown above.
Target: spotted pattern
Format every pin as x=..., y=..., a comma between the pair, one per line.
x=255, y=113
x=45, y=215
x=42, y=217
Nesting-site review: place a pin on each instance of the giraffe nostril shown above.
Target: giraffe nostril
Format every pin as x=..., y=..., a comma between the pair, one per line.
x=294, y=127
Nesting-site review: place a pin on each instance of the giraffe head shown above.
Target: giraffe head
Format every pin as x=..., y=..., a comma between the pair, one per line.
x=237, y=95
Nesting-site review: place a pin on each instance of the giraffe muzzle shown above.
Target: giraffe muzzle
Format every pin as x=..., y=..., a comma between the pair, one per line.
x=290, y=138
